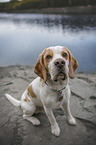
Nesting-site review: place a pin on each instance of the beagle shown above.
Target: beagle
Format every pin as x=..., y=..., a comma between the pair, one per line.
x=50, y=89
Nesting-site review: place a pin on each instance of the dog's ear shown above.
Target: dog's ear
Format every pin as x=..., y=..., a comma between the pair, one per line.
x=73, y=64
x=40, y=69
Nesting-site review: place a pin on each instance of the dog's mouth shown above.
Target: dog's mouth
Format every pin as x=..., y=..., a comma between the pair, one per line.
x=60, y=76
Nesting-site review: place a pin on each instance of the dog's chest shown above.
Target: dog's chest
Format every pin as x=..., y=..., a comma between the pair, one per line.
x=54, y=100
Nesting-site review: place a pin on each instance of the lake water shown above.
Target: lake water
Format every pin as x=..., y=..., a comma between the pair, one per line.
x=24, y=36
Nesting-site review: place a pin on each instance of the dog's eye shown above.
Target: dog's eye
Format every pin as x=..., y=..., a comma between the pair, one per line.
x=48, y=56
x=64, y=55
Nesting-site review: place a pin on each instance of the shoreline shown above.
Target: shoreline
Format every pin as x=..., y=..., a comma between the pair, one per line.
x=93, y=72
x=59, y=10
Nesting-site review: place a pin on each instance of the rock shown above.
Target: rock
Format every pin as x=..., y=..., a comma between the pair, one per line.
x=14, y=130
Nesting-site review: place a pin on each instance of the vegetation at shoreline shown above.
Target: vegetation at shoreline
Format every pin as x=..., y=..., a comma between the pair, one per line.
x=39, y=4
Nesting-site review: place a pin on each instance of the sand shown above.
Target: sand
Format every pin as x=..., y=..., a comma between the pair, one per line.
x=14, y=130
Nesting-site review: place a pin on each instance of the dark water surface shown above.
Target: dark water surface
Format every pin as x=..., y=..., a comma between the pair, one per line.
x=24, y=36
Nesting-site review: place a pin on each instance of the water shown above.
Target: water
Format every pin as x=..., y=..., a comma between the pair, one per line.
x=24, y=36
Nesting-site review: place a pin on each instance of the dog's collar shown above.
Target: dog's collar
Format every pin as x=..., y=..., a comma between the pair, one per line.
x=59, y=91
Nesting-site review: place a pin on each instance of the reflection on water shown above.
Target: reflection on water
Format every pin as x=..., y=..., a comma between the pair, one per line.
x=24, y=36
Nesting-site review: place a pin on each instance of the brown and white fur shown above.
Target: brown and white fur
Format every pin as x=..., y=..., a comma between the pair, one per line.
x=54, y=67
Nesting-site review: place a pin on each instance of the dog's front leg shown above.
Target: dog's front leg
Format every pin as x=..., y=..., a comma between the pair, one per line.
x=66, y=106
x=54, y=125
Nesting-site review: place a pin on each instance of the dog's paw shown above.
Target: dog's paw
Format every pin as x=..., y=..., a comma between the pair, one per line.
x=55, y=130
x=32, y=119
x=36, y=122
x=72, y=121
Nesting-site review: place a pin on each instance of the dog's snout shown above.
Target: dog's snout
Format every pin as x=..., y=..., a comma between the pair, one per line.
x=59, y=63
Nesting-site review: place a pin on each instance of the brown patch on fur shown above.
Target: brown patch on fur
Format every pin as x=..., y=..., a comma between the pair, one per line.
x=65, y=51
x=41, y=67
x=73, y=63
x=46, y=61
x=26, y=99
x=30, y=92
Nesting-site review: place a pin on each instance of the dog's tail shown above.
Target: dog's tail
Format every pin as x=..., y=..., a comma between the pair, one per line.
x=15, y=102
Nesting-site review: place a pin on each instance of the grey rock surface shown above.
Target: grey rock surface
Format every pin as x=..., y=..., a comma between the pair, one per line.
x=14, y=130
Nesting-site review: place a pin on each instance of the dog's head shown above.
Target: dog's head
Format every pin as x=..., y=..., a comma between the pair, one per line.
x=58, y=62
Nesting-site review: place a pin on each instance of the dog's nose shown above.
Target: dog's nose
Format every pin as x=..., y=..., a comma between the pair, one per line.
x=59, y=63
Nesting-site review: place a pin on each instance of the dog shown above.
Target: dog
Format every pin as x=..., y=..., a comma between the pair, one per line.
x=50, y=90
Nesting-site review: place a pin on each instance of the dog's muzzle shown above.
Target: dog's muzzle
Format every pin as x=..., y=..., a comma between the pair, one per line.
x=59, y=63
x=61, y=75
